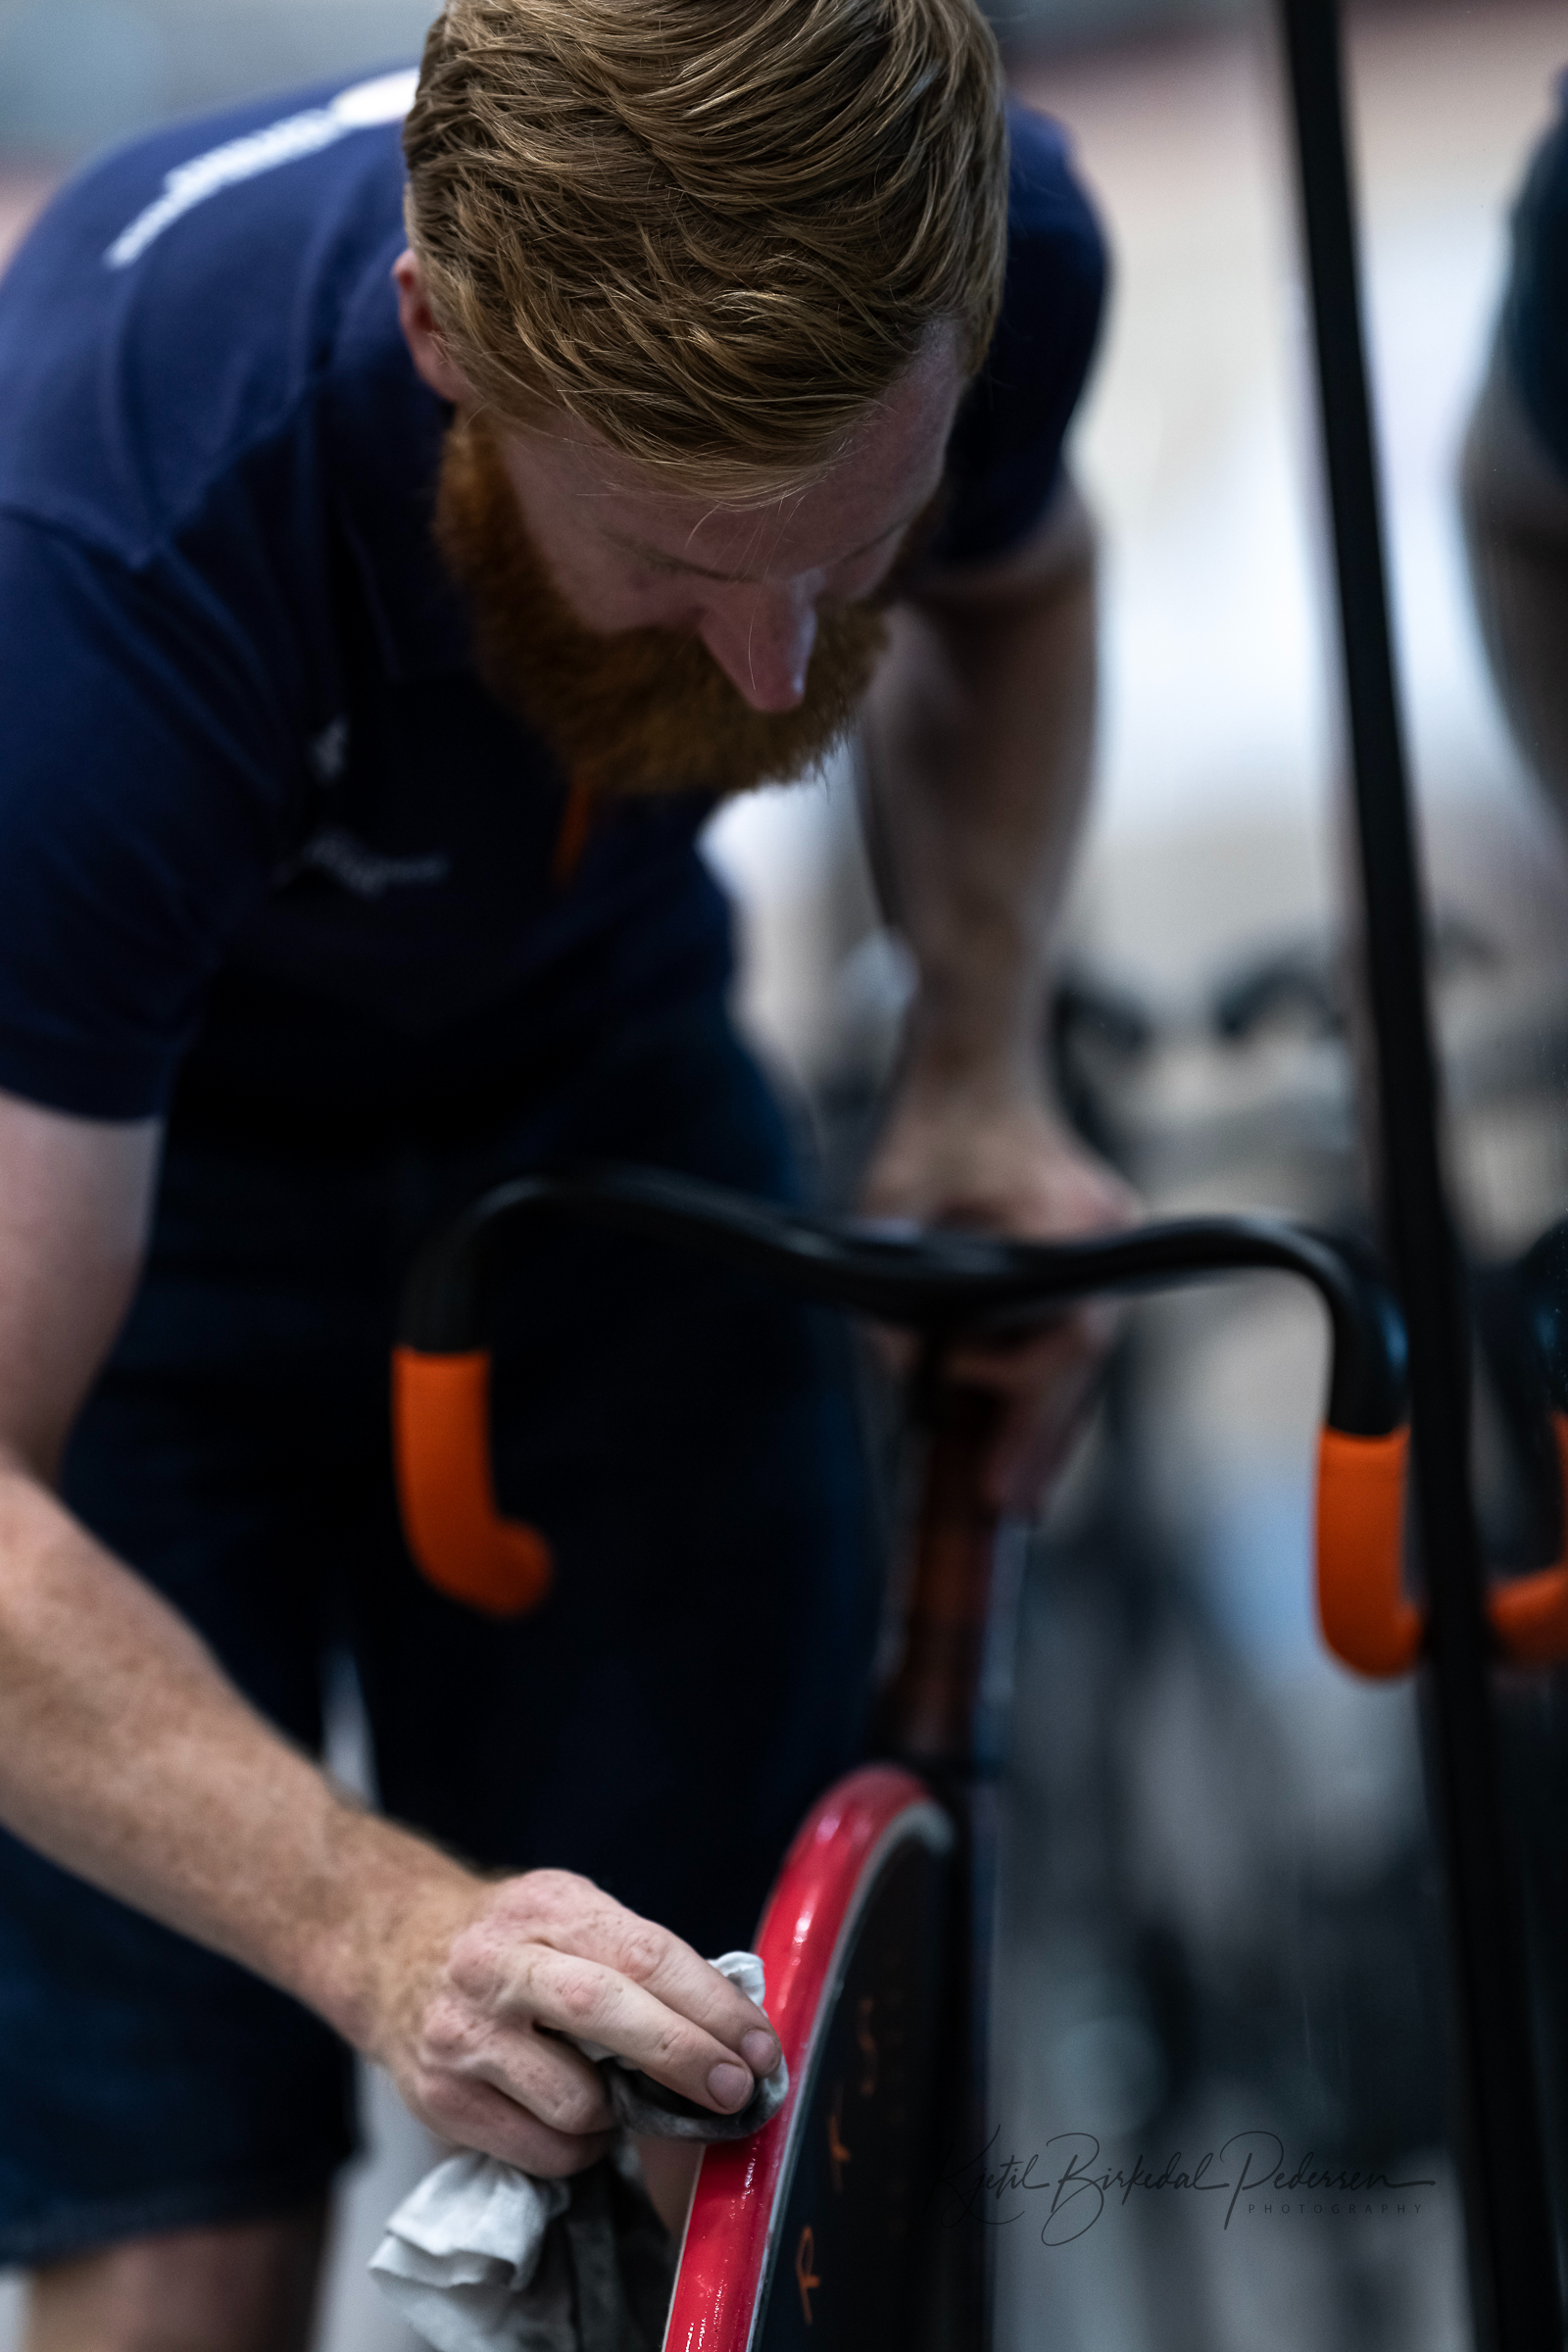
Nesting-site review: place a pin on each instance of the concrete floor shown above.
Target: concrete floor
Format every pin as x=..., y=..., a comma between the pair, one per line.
x=1215, y=832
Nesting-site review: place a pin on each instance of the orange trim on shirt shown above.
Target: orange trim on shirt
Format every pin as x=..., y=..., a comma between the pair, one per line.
x=577, y=823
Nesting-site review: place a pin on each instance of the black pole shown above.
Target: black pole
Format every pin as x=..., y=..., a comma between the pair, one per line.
x=1512, y=2254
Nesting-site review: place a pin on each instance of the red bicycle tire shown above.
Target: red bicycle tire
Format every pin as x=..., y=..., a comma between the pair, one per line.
x=840, y=1858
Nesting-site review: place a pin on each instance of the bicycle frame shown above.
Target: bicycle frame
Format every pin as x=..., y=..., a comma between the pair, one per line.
x=736, y=2283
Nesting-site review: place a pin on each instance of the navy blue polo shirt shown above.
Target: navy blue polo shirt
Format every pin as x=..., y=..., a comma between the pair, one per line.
x=262, y=828
x=1535, y=311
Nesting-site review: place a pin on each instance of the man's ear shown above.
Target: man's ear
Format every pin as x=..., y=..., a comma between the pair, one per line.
x=424, y=338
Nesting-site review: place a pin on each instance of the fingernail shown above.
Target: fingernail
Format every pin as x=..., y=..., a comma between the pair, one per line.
x=759, y=2051
x=731, y=2085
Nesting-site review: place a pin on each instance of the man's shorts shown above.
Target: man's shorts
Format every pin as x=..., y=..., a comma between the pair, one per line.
x=687, y=1442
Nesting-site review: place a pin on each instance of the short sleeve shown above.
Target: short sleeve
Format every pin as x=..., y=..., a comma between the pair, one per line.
x=1535, y=315
x=139, y=820
x=1005, y=457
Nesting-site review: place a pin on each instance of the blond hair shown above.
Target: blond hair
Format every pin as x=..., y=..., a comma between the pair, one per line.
x=713, y=232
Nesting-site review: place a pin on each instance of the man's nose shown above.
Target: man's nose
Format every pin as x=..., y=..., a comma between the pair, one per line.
x=762, y=642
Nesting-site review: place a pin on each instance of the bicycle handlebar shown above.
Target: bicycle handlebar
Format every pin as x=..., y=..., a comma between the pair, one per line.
x=944, y=1285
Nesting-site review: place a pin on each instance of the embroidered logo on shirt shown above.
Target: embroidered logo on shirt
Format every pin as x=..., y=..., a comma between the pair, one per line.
x=328, y=751
x=363, y=107
x=365, y=872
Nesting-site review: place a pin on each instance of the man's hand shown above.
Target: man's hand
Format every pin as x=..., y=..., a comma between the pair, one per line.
x=1000, y=1160
x=487, y=1987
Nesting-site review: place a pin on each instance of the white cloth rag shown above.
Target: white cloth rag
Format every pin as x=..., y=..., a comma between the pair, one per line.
x=462, y=2253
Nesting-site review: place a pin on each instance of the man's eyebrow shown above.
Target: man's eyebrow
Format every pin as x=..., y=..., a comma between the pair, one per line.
x=668, y=563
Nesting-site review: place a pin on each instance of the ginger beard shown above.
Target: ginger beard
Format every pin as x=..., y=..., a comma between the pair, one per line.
x=644, y=711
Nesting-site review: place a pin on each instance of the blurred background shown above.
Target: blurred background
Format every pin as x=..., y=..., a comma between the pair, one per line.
x=1220, y=1898
x=76, y=73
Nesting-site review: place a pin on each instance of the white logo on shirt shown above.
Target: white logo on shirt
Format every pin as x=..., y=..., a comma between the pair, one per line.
x=386, y=99
x=328, y=751
x=364, y=870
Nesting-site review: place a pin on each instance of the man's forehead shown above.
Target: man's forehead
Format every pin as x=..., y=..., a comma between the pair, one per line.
x=768, y=549
x=886, y=474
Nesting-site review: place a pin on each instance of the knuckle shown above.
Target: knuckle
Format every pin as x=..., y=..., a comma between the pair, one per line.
x=641, y=1950
x=437, y=2100
x=474, y=1963
x=449, y=2032
x=576, y=2108
x=578, y=1995
x=558, y=1892
x=673, y=2048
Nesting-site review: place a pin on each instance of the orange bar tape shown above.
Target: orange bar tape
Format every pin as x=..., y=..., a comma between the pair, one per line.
x=441, y=1447
x=1366, y=1619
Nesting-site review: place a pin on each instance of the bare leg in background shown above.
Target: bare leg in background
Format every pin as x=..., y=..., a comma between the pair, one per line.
x=243, y=2287
x=670, y=2167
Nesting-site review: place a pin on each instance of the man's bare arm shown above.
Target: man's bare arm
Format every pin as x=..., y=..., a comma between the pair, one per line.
x=981, y=730
x=127, y=1757
x=980, y=739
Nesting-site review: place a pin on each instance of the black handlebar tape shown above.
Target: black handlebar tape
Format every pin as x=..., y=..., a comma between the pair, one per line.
x=945, y=1285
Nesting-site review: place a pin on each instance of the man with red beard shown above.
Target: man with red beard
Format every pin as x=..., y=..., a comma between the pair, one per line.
x=381, y=622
